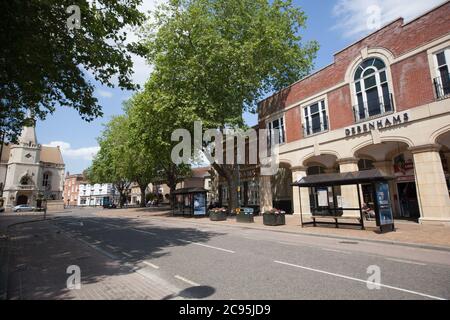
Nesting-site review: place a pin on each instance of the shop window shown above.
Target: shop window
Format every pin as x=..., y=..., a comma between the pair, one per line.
x=372, y=90
x=315, y=170
x=253, y=193
x=365, y=164
x=315, y=118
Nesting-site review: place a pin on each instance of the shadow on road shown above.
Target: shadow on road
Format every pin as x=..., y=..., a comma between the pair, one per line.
x=107, y=250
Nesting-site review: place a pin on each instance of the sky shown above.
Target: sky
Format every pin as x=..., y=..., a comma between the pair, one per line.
x=335, y=24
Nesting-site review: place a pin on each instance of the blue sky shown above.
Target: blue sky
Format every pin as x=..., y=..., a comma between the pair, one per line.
x=335, y=24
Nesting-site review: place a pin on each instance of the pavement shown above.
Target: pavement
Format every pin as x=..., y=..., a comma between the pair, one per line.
x=136, y=254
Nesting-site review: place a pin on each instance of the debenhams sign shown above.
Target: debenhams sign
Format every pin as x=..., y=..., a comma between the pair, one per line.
x=388, y=122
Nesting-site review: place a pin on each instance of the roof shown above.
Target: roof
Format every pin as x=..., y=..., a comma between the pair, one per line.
x=51, y=155
x=200, y=172
x=344, y=178
x=189, y=190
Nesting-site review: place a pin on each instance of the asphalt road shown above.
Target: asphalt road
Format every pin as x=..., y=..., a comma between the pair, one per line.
x=220, y=262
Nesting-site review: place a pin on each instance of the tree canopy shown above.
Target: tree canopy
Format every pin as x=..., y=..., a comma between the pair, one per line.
x=44, y=65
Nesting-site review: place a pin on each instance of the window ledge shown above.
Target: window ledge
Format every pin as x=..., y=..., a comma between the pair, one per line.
x=375, y=117
x=315, y=134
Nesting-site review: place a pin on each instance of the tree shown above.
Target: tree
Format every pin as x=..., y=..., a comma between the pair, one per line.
x=112, y=164
x=144, y=165
x=215, y=59
x=150, y=132
x=44, y=65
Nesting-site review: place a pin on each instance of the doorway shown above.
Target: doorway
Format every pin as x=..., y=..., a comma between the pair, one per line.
x=22, y=199
x=409, y=205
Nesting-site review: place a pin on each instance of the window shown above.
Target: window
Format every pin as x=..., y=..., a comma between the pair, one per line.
x=46, y=179
x=316, y=119
x=372, y=90
x=442, y=81
x=277, y=124
x=224, y=195
x=253, y=193
x=365, y=164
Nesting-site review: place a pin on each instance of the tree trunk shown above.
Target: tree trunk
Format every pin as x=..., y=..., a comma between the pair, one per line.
x=228, y=172
x=143, y=200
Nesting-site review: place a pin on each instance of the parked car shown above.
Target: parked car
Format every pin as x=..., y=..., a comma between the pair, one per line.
x=109, y=206
x=22, y=207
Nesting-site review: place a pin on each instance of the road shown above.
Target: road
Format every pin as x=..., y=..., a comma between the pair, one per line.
x=193, y=260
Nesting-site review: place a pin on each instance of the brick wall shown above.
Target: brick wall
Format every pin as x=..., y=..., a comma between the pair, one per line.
x=412, y=83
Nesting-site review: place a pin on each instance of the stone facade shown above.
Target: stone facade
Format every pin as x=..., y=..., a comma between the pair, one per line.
x=31, y=172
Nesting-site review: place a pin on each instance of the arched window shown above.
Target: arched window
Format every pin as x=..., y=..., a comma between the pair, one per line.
x=372, y=89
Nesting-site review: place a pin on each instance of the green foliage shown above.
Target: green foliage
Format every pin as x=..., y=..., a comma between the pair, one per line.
x=215, y=59
x=44, y=65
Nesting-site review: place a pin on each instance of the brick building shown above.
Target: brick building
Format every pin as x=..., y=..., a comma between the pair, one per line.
x=383, y=103
x=71, y=188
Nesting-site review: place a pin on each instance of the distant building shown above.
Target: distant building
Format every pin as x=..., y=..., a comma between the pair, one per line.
x=96, y=194
x=71, y=188
x=30, y=172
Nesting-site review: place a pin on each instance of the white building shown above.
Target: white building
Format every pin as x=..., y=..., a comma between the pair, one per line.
x=96, y=194
x=30, y=172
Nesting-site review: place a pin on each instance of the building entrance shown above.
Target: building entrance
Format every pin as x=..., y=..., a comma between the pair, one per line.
x=409, y=205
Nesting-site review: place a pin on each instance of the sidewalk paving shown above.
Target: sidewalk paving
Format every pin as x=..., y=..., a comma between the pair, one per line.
x=407, y=232
x=39, y=254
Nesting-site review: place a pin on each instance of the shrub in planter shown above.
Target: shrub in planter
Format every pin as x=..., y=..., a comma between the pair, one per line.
x=217, y=214
x=274, y=217
x=242, y=216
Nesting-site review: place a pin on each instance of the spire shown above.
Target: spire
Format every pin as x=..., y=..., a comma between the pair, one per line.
x=28, y=135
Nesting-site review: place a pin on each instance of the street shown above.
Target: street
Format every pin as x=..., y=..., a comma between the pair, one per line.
x=162, y=257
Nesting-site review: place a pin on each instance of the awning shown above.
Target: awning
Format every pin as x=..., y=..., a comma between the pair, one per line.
x=344, y=178
x=190, y=190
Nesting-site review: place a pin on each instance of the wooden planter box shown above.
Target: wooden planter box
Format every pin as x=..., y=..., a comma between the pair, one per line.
x=217, y=216
x=246, y=218
x=274, y=219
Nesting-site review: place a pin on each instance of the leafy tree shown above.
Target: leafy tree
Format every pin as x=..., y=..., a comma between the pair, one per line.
x=215, y=59
x=150, y=130
x=44, y=65
x=113, y=163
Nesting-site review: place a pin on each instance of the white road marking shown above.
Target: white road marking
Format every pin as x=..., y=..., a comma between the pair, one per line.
x=296, y=244
x=192, y=283
x=127, y=254
x=359, y=280
x=151, y=264
x=143, y=231
x=407, y=261
x=111, y=247
x=207, y=246
x=335, y=250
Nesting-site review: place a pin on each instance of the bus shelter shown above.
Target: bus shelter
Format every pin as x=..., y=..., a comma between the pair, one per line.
x=326, y=204
x=189, y=202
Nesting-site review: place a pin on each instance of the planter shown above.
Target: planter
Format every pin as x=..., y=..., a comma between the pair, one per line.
x=274, y=219
x=243, y=217
x=217, y=216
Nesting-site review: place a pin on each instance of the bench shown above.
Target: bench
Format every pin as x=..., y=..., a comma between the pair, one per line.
x=336, y=220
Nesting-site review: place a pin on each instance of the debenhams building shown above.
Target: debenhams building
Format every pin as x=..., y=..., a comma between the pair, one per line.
x=383, y=103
